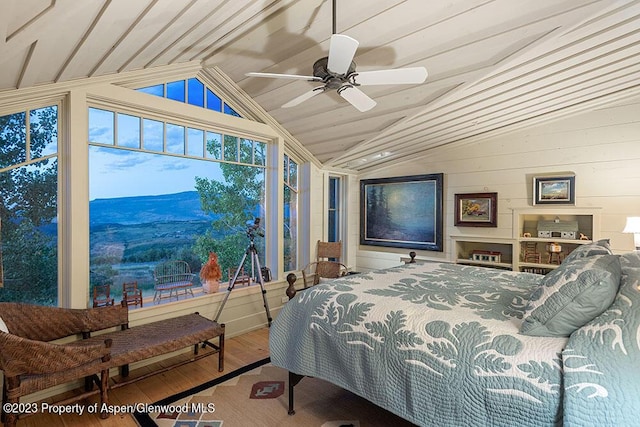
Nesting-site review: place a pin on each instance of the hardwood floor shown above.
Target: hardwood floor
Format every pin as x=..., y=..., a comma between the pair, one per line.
x=239, y=351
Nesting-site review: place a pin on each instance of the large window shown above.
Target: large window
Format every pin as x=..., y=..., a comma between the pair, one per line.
x=161, y=190
x=29, y=206
x=290, y=214
x=335, y=209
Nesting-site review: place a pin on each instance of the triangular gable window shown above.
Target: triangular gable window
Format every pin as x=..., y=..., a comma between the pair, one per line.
x=191, y=91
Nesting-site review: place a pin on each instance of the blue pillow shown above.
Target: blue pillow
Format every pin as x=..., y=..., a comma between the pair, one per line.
x=601, y=247
x=571, y=295
x=630, y=262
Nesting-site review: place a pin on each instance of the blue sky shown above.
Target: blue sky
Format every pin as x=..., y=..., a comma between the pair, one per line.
x=123, y=173
x=115, y=172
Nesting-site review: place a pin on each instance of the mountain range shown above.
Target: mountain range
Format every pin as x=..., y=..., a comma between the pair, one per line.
x=183, y=206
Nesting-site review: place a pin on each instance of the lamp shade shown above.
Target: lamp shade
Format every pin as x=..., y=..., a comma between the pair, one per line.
x=633, y=225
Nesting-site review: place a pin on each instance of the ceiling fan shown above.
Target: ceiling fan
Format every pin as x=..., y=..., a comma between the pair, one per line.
x=338, y=71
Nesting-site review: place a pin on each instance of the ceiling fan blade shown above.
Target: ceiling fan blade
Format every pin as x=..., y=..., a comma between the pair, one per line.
x=356, y=97
x=307, y=95
x=398, y=76
x=283, y=76
x=341, y=52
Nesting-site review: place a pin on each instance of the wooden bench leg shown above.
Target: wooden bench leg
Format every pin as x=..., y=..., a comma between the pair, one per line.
x=12, y=387
x=104, y=389
x=4, y=398
x=219, y=348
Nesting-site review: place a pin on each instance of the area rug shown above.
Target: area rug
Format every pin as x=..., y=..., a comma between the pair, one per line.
x=257, y=395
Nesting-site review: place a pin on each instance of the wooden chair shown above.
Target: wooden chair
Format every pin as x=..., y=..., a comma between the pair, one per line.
x=530, y=253
x=172, y=276
x=131, y=295
x=327, y=264
x=242, y=279
x=102, y=296
x=556, y=258
x=329, y=251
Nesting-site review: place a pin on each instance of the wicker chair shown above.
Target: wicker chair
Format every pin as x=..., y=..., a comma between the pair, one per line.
x=327, y=264
x=31, y=363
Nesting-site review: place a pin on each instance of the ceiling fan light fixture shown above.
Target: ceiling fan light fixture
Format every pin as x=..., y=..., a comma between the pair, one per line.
x=338, y=72
x=331, y=79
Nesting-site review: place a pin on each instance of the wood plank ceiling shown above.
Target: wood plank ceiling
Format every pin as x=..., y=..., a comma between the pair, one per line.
x=494, y=65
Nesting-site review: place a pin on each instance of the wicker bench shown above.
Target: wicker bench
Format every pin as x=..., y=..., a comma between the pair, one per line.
x=172, y=277
x=31, y=364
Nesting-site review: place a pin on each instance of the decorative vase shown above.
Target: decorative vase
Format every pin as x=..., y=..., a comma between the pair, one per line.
x=211, y=286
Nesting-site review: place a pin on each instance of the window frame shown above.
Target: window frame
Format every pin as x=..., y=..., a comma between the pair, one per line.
x=286, y=156
x=73, y=207
x=125, y=100
x=185, y=115
x=25, y=106
x=341, y=200
x=225, y=107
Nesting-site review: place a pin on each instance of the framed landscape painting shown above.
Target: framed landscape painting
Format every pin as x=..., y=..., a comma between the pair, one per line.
x=402, y=212
x=554, y=190
x=476, y=210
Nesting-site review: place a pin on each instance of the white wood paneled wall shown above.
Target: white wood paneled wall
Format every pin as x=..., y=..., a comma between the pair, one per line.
x=602, y=148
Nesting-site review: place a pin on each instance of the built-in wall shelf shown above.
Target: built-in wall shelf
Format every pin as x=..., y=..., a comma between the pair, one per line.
x=480, y=251
x=545, y=236
x=530, y=248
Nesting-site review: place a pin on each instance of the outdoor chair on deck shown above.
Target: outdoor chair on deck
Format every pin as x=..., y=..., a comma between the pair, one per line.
x=131, y=295
x=327, y=264
x=242, y=279
x=102, y=296
x=172, y=277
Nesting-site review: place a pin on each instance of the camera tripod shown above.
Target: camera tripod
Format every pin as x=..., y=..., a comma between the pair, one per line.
x=253, y=252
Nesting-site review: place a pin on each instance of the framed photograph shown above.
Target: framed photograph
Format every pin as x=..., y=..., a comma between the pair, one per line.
x=476, y=210
x=402, y=212
x=554, y=190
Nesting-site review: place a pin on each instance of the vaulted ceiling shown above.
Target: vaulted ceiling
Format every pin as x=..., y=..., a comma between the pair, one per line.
x=494, y=65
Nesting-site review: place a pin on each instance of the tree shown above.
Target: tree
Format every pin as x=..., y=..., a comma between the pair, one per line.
x=28, y=210
x=235, y=201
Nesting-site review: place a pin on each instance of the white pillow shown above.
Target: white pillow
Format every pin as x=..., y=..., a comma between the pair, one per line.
x=3, y=326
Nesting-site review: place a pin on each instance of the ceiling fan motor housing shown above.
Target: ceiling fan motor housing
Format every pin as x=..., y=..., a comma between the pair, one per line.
x=331, y=80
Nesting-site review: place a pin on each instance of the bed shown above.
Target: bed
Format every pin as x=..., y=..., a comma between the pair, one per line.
x=448, y=344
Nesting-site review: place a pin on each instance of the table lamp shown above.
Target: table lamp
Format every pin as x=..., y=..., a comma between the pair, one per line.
x=633, y=226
